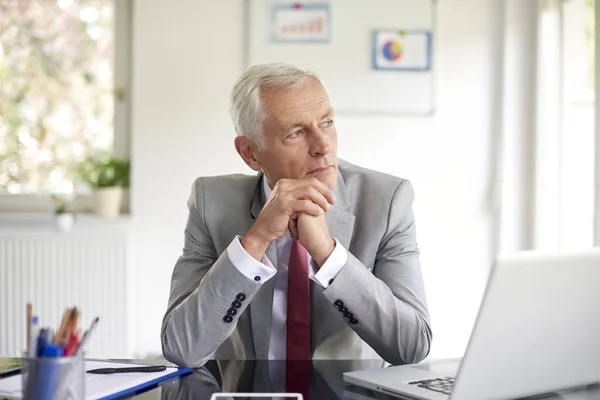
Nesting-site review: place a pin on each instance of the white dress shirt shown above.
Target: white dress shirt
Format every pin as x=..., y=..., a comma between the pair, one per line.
x=265, y=270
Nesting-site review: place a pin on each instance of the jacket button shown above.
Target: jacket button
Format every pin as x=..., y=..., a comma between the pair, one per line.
x=338, y=303
x=236, y=304
x=348, y=315
x=353, y=321
x=232, y=311
x=343, y=310
x=330, y=281
x=241, y=297
x=257, y=278
x=227, y=318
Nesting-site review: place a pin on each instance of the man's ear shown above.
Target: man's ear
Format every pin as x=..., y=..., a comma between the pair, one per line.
x=246, y=148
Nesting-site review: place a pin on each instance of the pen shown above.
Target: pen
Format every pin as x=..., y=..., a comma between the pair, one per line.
x=46, y=376
x=86, y=336
x=71, y=345
x=157, y=368
x=34, y=332
x=42, y=342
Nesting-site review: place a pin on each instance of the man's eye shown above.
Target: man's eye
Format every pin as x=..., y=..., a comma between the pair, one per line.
x=295, y=134
x=327, y=124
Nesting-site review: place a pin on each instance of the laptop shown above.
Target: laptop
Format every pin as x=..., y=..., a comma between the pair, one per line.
x=537, y=331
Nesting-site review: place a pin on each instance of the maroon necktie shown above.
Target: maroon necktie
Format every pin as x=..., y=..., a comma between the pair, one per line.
x=298, y=322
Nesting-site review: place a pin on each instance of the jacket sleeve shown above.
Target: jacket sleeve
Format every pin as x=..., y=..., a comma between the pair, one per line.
x=386, y=307
x=204, y=285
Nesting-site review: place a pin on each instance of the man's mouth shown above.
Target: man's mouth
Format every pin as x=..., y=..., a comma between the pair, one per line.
x=321, y=170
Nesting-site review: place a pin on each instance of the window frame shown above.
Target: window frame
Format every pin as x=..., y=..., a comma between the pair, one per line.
x=40, y=202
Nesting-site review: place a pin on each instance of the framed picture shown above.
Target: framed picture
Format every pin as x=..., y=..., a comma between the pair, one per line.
x=300, y=23
x=402, y=50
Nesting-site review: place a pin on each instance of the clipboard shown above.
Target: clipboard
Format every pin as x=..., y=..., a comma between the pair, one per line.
x=105, y=387
x=151, y=383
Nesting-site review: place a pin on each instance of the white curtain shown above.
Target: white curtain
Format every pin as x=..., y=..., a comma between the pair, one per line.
x=548, y=121
x=597, y=155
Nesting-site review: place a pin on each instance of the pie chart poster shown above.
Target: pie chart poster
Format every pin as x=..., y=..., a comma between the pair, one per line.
x=399, y=50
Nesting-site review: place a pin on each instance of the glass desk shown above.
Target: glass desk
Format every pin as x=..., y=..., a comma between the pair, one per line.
x=326, y=381
x=258, y=376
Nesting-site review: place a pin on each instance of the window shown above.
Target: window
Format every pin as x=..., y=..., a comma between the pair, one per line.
x=60, y=62
x=564, y=204
x=578, y=127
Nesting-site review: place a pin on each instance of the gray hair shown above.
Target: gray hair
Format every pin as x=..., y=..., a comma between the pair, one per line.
x=246, y=108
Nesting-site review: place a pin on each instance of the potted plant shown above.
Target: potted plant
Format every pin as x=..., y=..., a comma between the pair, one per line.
x=64, y=215
x=106, y=176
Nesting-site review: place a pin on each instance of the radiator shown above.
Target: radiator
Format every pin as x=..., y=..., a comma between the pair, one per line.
x=87, y=268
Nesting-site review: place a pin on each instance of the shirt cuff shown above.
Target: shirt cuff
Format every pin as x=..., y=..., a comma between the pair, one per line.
x=258, y=271
x=331, y=267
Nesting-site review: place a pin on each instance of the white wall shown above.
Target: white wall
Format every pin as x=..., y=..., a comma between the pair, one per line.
x=182, y=75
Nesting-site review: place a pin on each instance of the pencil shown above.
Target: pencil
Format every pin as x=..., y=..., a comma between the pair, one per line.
x=63, y=327
x=29, y=321
x=72, y=326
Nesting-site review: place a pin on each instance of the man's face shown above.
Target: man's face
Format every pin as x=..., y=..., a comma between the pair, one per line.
x=300, y=135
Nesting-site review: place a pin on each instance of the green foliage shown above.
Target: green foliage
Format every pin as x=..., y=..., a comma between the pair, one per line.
x=62, y=209
x=61, y=204
x=104, y=172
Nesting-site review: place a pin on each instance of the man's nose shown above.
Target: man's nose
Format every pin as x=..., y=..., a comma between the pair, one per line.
x=319, y=143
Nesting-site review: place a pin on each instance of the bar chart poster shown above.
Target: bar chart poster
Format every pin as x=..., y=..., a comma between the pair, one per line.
x=300, y=23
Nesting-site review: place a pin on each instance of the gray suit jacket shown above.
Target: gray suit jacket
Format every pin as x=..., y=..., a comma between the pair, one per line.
x=381, y=283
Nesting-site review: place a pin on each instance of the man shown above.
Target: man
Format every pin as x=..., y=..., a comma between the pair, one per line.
x=311, y=258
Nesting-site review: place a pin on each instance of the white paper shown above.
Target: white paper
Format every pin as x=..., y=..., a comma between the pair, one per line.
x=96, y=385
x=303, y=24
x=402, y=50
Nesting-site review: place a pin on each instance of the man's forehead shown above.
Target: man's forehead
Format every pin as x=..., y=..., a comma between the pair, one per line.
x=289, y=107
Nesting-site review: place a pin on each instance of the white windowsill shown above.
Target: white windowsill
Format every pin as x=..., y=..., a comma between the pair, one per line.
x=44, y=223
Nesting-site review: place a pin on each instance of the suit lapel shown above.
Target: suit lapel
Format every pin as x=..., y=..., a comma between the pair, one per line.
x=339, y=220
x=261, y=305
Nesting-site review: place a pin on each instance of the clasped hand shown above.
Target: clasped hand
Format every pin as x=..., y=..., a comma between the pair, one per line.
x=297, y=205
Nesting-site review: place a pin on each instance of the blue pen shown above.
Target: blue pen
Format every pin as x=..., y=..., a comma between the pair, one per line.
x=46, y=382
x=42, y=342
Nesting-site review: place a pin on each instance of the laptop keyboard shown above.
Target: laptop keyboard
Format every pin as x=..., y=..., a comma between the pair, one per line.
x=442, y=385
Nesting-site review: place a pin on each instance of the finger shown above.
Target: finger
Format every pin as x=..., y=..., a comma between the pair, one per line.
x=308, y=207
x=289, y=185
x=310, y=193
x=323, y=189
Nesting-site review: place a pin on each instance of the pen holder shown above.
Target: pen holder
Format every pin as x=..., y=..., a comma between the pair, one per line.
x=46, y=378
